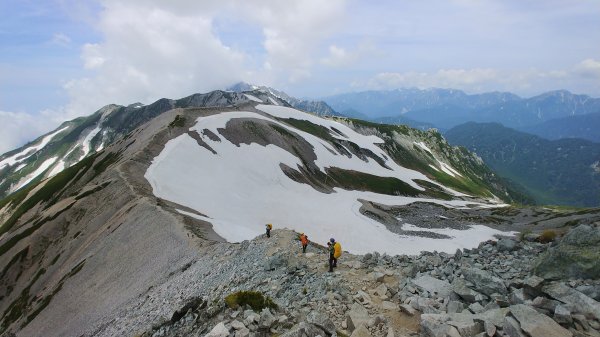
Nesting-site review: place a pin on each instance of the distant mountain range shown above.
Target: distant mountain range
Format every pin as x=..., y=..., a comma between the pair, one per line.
x=578, y=126
x=446, y=108
x=565, y=171
x=317, y=107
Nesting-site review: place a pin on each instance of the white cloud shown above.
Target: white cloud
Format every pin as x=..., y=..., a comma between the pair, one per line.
x=340, y=57
x=18, y=128
x=153, y=49
x=60, y=39
x=445, y=78
x=589, y=69
x=486, y=79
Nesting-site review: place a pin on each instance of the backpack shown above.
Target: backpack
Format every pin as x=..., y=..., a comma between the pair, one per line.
x=269, y=226
x=337, y=250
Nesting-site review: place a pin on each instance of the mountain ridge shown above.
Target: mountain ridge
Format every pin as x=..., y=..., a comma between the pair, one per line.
x=428, y=106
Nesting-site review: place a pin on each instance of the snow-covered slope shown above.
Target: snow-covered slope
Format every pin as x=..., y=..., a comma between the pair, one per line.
x=77, y=139
x=240, y=185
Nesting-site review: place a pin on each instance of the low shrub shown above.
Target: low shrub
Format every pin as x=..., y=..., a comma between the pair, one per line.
x=547, y=236
x=256, y=300
x=524, y=233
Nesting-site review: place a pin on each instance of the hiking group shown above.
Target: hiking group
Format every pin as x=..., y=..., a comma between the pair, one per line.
x=333, y=248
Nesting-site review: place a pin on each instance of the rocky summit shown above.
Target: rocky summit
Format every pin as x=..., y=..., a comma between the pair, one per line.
x=486, y=291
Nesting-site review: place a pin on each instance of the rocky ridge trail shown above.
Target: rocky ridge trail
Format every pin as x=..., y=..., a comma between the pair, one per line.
x=488, y=291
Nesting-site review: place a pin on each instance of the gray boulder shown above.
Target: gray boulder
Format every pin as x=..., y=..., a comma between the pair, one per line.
x=484, y=281
x=322, y=321
x=506, y=245
x=433, y=286
x=220, y=330
x=592, y=291
x=576, y=256
x=356, y=316
x=574, y=300
x=361, y=331
x=304, y=329
x=536, y=324
x=460, y=288
x=512, y=328
x=266, y=319
x=562, y=315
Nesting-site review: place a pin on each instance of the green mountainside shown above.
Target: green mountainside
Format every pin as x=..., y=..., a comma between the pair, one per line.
x=562, y=172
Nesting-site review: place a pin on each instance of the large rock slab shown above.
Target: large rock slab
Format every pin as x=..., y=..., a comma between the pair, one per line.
x=494, y=316
x=576, y=256
x=356, y=316
x=536, y=324
x=484, y=281
x=322, y=321
x=433, y=286
x=220, y=330
x=459, y=287
x=361, y=331
x=574, y=300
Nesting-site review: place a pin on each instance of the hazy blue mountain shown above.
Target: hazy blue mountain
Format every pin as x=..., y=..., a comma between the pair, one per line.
x=401, y=101
x=578, y=126
x=401, y=120
x=446, y=108
x=564, y=172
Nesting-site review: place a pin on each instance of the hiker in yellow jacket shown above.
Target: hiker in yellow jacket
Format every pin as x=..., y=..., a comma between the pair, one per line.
x=335, y=251
x=269, y=227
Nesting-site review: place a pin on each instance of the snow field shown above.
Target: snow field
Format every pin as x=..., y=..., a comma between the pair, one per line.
x=242, y=188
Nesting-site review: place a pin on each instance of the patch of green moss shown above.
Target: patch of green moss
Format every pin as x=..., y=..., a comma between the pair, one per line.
x=179, y=121
x=354, y=180
x=308, y=127
x=256, y=300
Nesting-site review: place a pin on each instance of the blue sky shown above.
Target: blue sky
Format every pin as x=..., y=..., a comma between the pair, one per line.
x=64, y=58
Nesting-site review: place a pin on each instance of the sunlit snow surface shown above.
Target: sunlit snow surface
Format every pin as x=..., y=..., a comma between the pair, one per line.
x=28, y=152
x=242, y=188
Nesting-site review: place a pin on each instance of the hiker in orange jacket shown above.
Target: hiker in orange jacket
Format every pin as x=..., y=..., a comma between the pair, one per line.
x=304, y=242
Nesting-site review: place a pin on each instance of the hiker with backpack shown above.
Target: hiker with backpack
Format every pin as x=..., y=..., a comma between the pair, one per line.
x=335, y=251
x=269, y=227
x=304, y=241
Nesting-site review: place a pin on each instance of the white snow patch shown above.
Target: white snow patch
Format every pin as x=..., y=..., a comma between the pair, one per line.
x=86, y=143
x=242, y=188
x=28, y=152
x=448, y=169
x=273, y=101
x=459, y=239
x=43, y=167
x=57, y=168
x=253, y=98
x=324, y=157
x=20, y=167
x=433, y=167
x=193, y=215
x=423, y=146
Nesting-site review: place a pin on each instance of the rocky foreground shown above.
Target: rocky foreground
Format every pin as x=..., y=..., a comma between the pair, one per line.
x=501, y=288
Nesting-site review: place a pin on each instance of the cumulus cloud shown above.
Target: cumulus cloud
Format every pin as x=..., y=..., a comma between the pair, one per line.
x=340, y=57
x=446, y=78
x=18, y=128
x=589, y=69
x=483, y=79
x=154, y=49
